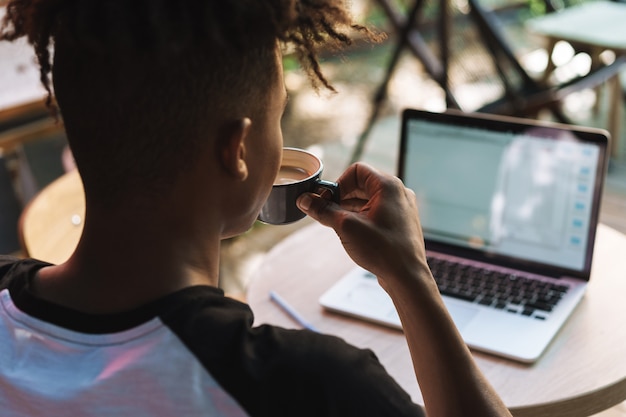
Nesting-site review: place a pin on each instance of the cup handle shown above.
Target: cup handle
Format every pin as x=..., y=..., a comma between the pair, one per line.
x=333, y=187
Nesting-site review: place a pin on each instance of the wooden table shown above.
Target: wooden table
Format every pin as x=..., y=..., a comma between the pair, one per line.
x=581, y=373
x=52, y=223
x=593, y=27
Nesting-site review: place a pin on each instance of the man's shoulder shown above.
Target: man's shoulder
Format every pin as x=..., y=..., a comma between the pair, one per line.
x=6, y=264
x=8, y=260
x=344, y=378
x=199, y=314
x=9, y=264
x=316, y=351
x=262, y=365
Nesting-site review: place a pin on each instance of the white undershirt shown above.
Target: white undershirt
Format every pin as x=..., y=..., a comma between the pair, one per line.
x=46, y=370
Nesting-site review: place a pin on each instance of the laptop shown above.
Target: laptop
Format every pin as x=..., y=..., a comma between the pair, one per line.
x=509, y=209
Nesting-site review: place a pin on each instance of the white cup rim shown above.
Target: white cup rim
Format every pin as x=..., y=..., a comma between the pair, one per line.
x=316, y=168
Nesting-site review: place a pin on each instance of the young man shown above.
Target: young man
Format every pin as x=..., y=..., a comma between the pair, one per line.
x=172, y=110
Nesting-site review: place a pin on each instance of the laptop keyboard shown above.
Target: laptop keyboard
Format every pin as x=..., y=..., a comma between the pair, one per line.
x=501, y=290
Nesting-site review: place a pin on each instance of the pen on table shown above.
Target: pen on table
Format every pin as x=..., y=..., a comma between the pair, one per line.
x=290, y=311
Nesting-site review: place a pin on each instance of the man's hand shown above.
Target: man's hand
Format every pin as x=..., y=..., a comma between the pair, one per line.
x=376, y=220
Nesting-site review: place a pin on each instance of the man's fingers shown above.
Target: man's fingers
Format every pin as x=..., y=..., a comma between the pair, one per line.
x=354, y=204
x=319, y=208
x=354, y=181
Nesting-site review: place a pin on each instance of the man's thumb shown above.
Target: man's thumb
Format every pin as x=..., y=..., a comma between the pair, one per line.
x=318, y=208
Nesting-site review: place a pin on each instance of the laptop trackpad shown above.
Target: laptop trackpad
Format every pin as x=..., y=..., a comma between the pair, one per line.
x=462, y=315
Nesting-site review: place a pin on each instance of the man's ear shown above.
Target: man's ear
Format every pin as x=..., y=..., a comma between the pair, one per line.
x=232, y=149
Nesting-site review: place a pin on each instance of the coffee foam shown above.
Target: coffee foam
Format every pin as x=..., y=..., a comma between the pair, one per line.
x=288, y=174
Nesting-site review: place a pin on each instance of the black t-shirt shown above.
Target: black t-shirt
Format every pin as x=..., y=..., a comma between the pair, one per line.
x=193, y=352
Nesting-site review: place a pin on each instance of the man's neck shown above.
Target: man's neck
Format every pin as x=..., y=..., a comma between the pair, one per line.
x=120, y=265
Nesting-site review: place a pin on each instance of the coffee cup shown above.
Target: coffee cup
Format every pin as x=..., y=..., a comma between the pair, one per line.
x=299, y=173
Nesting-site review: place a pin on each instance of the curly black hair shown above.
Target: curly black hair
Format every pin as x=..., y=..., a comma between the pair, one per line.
x=138, y=82
x=304, y=24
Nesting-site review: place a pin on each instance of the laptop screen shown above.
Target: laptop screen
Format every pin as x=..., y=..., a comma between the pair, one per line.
x=505, y=187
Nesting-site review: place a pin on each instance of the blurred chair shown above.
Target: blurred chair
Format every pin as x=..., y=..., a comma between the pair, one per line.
x=40, y=162
x=464, y=48
x=37, y=149
x=595, y=29
x=525, y=95
x=23, y=114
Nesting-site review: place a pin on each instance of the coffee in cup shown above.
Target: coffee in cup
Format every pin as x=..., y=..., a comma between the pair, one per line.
x=289, y=174
x=299, y=173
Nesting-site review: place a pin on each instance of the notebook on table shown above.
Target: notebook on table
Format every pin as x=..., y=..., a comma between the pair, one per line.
x=509, y=209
